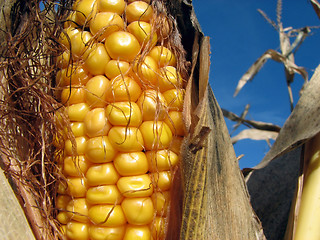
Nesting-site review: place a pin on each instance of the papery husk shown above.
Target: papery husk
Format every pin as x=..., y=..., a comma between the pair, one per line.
x=215, y=199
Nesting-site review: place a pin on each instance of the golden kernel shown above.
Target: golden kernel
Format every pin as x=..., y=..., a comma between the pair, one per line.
x=96, y=91
x=100, y=150
x=124, y=114
x=135, y=186
x=138, y=211
x=96, y=123
x=131, y=164
x=102, y=174
x=126, y=139
x=139, y=11
x=77, y=231
x=123, y=89
x=104, y=194
x=77, y=210
x=107, y=215
x=156, y=135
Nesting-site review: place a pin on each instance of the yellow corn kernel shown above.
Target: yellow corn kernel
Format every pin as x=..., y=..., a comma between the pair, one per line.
x=123, y=89
x=105, y=23
x=170, y=79
x=100, y=150
x=138, y=211
x=131, y=164
x=80, y=43
x=148, y=72
x=61, y=81
x=107, y=215
x=66, y=35
x=156, y=135
x=77, y=231
x=175, y=122
x=75, y=75
x=77, y=128
x=135, y=186
x=85, y=10
x=143, y=33
x=77, y=210
x=106, y=233
x=115, y=6
x=137, y=233
x=124, y=114
x=163, y=56
x=139, y=11
x=96, y=59
x=158, y=229
x=162, y=160
x=115, y=67
x=153, y=105
x=77, y=187
x=161, y=180
x=102, y=174
x=122, y=45
x=104, y=194
x=62, y=201
x=96, y=124
x=78, y=148
x=72, y=95
x=161, y=202
x=77, y=112
x=62, y=188
x=96, y=91
x=126, y=139
x=63, y=59
x=75, y=166
x=63, y=217
x=174, y=98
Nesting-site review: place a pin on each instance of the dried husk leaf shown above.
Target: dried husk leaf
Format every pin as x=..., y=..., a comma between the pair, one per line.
x=14, y=225
x=316, y=7
x=302, y=124
x=258, y=64
x=254, y=134
x=215, y=199
x=272, y=189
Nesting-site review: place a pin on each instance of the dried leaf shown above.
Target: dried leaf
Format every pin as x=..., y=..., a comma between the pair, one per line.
x=302, y=124
x=316, y=7
x=252, y=71
x=272, y=23
x=254, y=134
x=215, y=196
x=14, y=224
x=252, y=123
x=276, y=56
x=271, y=191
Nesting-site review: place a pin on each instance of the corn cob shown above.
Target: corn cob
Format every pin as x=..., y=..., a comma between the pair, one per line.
x=123, y=96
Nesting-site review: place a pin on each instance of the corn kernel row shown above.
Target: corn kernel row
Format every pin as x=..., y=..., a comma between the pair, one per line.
x=123, y=97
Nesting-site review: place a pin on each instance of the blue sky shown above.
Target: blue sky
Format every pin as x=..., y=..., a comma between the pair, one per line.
x=239, y=35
